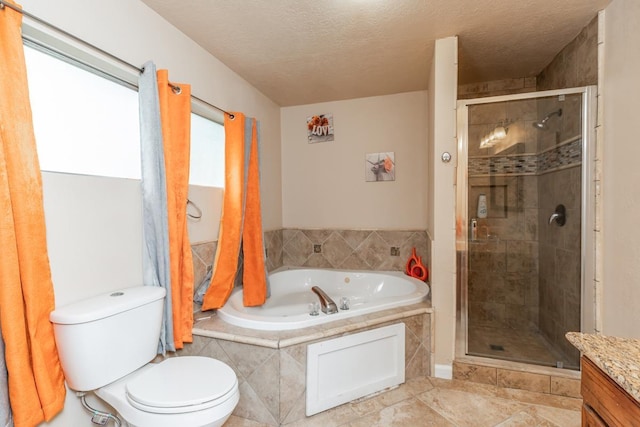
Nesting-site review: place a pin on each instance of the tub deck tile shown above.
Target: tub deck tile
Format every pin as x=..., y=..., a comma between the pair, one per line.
x=208, y=324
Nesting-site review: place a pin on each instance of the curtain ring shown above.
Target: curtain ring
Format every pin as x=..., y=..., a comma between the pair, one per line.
x=175, y=89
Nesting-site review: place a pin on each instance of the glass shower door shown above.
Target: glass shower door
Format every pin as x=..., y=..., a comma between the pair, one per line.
x=523, y=217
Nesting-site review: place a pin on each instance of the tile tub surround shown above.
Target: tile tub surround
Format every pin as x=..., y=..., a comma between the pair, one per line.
x=327, y=248
x=204, y=253
x=353, y=249
x=617, y=357
x=271, y=365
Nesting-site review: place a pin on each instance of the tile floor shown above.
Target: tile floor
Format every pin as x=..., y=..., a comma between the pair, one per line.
x=517, y=346
x=430, y=401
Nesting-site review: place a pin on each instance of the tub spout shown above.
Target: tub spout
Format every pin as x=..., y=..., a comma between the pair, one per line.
x=327, y=305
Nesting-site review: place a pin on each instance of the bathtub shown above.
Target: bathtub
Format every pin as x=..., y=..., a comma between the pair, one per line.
x=291, y=295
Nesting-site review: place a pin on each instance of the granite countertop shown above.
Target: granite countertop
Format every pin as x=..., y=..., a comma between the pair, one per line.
x=617, y=357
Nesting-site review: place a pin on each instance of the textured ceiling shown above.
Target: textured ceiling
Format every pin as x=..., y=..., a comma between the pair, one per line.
x=306, y=51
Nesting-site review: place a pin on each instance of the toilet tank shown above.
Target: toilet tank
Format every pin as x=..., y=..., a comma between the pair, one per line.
x=106, y=337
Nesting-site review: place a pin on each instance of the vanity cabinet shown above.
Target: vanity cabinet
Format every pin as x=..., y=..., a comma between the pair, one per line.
x=605, y=403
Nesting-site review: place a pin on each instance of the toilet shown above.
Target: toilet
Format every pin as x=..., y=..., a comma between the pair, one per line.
x=106, y=344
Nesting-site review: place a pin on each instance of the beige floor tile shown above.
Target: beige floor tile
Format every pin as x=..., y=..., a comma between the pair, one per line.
x=469, y=409
x=411, y=412
x=335, y=417
x=234, y=421
x=418, y=385
x=557, y=416
x=380, y=401
x=522, y=419
x=531, y=397
x=445, y=403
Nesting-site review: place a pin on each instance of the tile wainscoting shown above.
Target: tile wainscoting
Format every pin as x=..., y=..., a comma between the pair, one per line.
x=329, y=248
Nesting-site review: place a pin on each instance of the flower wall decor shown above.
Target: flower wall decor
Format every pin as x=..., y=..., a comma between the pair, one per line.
x=380, y=167
x=320, y=128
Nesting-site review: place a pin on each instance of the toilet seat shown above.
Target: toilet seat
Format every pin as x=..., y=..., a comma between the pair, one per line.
x=182, y=384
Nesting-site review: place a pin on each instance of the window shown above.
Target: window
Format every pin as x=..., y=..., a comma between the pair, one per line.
x=84, y=123
x=207, y=152
x=87, y=124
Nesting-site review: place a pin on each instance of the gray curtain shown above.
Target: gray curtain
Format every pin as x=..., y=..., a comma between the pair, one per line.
x=5, y=407
x=155, y=231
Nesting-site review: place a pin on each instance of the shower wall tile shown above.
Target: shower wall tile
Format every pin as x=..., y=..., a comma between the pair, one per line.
x=575, y=65
x=522, y=257
x=560, y=260
x=503, y=261
x=496, y=87
x=516, y=288
x=566, y=154
x=489, y=314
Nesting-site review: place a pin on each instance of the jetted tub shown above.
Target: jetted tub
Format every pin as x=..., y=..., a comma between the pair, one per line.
x=291, y=295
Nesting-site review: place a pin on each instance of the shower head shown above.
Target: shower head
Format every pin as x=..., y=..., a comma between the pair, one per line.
x=542, y=124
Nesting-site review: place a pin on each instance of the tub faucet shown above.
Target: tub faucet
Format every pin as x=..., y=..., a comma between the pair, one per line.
x=327, y=305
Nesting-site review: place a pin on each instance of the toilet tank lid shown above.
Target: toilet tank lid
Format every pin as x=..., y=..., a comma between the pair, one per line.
x=105, y=305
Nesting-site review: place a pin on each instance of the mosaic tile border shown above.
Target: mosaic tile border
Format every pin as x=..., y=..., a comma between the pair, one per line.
x=568, y=153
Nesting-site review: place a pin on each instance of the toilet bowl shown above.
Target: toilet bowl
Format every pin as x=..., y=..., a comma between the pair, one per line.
x=180, y=391
x=105, y=344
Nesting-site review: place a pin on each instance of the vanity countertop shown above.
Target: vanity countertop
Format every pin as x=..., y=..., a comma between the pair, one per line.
x=619, y=358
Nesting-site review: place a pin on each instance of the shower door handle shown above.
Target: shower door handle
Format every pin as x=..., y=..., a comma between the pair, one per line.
x=559, y=216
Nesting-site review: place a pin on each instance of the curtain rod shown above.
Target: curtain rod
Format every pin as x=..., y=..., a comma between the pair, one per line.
x=176, y=89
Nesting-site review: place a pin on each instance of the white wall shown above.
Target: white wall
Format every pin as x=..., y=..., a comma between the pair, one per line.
x=93, y=224
x=323, y=184
x=621, y=174
x=88, y=219
x=442, y=138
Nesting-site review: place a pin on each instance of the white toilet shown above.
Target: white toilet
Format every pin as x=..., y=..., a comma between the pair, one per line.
x=105, y=345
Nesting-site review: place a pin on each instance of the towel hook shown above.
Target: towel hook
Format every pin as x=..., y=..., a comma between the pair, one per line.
x=198, y=214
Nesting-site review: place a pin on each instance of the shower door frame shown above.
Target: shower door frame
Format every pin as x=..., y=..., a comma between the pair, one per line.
x=589, y=300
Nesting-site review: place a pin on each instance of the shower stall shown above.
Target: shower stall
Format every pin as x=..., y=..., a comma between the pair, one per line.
x=524, y=225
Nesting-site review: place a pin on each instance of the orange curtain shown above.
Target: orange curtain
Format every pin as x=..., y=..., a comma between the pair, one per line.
x=175, y=115
x=36, y=381
x=241, y=223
